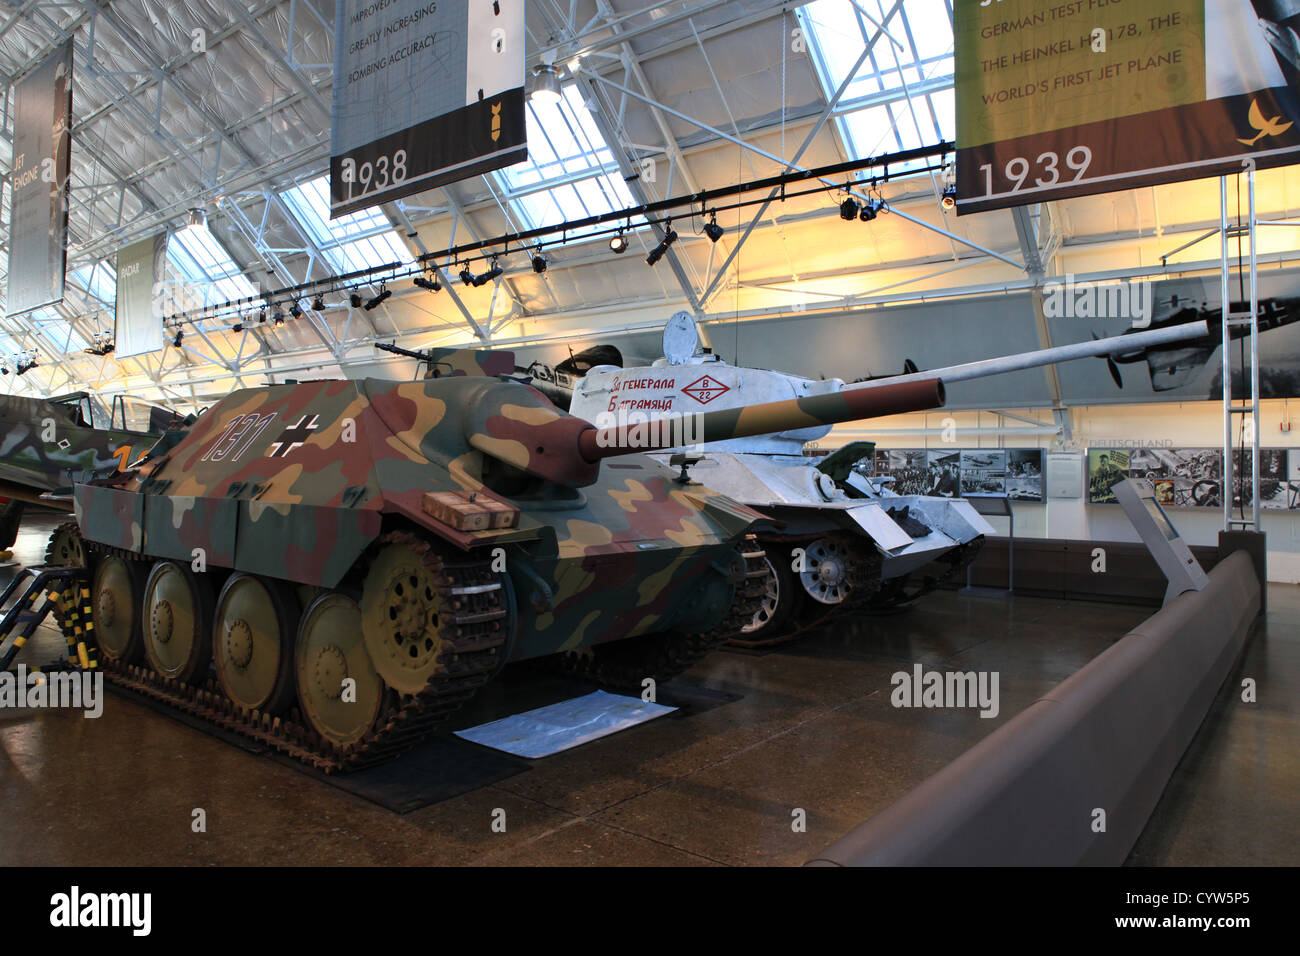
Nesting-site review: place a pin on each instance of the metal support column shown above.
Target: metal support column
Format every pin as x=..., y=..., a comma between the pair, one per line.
x=1248, y=318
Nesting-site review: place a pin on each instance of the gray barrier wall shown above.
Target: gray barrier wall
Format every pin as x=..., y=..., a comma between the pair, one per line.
x=1107, y=738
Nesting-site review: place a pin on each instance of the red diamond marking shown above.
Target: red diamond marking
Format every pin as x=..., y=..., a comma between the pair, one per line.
x=705, y=389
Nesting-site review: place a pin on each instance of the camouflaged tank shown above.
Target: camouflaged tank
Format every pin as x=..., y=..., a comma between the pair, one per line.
x=332, y=567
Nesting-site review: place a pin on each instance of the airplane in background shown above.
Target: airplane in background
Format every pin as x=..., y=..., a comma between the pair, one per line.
x=48, y=444
x=1172, y=366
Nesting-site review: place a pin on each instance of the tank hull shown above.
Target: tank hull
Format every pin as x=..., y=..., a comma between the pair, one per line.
x=799, y=500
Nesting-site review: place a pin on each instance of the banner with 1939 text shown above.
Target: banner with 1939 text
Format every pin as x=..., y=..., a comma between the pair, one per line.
x=1076, y=97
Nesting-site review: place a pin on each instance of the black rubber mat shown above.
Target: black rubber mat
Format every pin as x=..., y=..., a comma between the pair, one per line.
x=438, y=769
x=446, y=766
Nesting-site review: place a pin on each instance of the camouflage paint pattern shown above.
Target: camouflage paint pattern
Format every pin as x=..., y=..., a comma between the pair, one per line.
x=44, y=449
x=295, y=481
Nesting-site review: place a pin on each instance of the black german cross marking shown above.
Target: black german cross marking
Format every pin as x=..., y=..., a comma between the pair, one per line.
x=293, y=436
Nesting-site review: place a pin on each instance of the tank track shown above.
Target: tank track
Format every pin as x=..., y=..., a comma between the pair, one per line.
x=865, y=572
x=474, y=657
x=623, y=665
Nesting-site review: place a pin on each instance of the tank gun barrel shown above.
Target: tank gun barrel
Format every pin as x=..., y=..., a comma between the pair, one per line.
x=849, y=405
x=1129, y=341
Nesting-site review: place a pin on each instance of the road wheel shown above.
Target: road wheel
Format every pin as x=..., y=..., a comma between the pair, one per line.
x=253, y=637
x=177, y=622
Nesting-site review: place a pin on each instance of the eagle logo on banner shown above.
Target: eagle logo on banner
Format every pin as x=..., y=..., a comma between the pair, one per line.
x=1266, y=127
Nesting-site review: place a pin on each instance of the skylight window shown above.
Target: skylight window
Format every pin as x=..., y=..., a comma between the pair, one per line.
x=901, y=96
x=99, y=280
x=57, y=331
x=360, y=240
x=209, y=274
x=570, y=172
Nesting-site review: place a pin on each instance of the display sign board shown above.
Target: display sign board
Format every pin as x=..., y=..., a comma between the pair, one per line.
x=1015, y=473
x=1064, y=474
x=1193, y=477
x=39, y=184
x=1084, y=96
x=426, y=92
x=138, y=320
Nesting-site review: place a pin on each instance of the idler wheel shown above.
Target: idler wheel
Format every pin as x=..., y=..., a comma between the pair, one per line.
x=252, y=642
x=116, y=589
x=340, y=693
x=401, y=615
x=826, y=576
x=177, y=622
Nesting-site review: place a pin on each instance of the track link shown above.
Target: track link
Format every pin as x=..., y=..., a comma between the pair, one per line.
x=476, y=636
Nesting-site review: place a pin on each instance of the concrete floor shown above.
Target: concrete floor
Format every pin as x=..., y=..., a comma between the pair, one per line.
x=812, y=729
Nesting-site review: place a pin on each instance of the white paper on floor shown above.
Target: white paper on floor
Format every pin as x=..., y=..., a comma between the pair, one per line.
x=548, y=730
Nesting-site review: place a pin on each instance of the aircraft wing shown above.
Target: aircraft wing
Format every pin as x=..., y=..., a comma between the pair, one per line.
x=36, y=480
x=1174, y=368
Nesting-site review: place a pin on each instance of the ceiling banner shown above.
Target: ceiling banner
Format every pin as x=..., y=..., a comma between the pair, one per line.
x=1086, y=96
x=39, y=184
x=138, y=326
x=426, y=92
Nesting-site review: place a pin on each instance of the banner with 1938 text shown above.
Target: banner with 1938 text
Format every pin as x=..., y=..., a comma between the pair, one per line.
x=426, y=92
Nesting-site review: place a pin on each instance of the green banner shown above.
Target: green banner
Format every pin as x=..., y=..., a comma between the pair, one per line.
x=1087, y=96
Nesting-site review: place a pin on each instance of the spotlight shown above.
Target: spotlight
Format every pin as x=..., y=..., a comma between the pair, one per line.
x=849, y=209
x=318, y=304
x=870, y=208
x=237, y=327
x=539, y=264
x=295, y=310
x=278, y=317
x=949, y=200
x=433, y=285
x=483, y=278
x=178, y=338
x=355, y=300
x=25, y=367
x=4, y=370
x=488, y=276
x=618, y=244
x=658, y=251
x=197, y=218
x=378, y=300
x=713, y=230
x=546, y=85
x=261, y=316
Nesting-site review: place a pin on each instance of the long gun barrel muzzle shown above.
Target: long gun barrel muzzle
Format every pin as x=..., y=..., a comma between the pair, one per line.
x=1129, y=341
x=849, y=405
